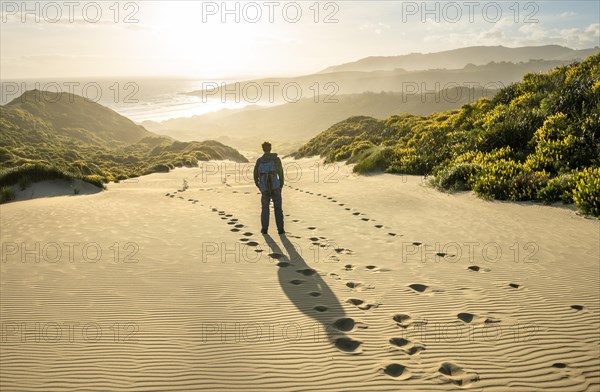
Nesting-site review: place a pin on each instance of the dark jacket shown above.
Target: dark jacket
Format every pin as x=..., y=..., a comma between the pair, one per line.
x=269, y=156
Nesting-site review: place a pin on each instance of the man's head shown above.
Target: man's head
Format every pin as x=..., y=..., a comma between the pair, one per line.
x=266, y=146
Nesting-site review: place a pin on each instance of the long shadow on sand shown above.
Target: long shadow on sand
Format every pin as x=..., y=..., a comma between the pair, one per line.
x=311, y=295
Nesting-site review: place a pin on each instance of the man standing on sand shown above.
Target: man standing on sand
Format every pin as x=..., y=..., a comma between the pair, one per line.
x=268, y=177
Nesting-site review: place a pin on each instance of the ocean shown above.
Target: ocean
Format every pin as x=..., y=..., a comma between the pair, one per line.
x=139, y=99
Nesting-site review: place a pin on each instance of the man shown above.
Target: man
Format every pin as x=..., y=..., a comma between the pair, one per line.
x=268, y=177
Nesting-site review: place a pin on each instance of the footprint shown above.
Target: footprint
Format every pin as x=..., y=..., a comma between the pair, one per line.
x=314, y=239
x=399, y=342
x=296, y=282
x=457, y=375
x=244, y=239
x=311, y=228
x=476, y=268
x=420, y=288
x=307, y=271
x=252, y=243
x=365, y=219
x=295, y=220
x=397, y=370
x=466, y=317
x=514, y=285
x=407, y=346
x=239, y=226
x=345, y=324
x=275, y=255
x=358, y=286
x=283, y=264
x=349, y=267
x=348, y=345
x=356, y=213
x=402, y=320
x=577, y=307
x=471, y=318
x=248, y=234
x=235, y=230
x=362, y=305
x=320, y=308
x=314, y=294
x=417, y=243
x=392, y=234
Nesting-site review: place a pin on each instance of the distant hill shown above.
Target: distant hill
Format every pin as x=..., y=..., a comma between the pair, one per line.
x=44, y=133
x=437, y=76
x=291, y=124
x=458, y=58
x=538, y=139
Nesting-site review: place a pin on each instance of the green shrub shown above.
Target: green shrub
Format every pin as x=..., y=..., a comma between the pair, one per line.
x=6, y=194
x=526, y=184
x=586, y=193
x=494, y=179
x=24, y=182
x=376, y=159
x=457, y=177
x=160, y=168
x=557, y=188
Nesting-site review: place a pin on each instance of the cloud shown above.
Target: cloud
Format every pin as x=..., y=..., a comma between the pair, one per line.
x=567, y=14
x=376, y=28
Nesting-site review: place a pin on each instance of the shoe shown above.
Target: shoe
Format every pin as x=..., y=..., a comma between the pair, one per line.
x=263, y=231
x=280, y=231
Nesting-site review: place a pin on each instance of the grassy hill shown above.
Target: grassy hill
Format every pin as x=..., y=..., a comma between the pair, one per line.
x=45, y=135
x=538, y=139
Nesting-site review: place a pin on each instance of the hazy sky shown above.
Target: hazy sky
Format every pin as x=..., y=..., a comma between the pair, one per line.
x=191, y=39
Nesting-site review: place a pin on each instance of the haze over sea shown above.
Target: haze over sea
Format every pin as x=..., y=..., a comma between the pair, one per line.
x=139, y=99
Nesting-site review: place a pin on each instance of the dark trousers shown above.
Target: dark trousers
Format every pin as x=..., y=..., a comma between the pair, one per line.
x=265, y=200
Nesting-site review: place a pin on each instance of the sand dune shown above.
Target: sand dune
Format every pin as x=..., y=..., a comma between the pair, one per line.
x=164, y=283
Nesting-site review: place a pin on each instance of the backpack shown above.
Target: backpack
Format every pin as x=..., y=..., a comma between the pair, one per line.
x=267, y=178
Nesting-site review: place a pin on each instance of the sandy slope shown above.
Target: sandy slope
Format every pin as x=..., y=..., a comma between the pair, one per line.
x=179, y=301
